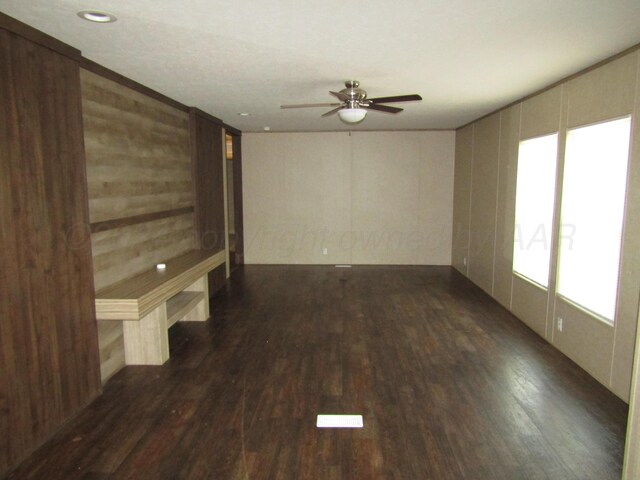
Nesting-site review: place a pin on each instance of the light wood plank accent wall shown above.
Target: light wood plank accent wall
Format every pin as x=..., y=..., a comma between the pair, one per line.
x=138, y=167
x=484, y=193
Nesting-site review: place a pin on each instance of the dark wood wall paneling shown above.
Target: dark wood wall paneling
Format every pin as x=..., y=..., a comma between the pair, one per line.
x=207, y=158
x=236, y=140
x=49, y=365
x=217, y=279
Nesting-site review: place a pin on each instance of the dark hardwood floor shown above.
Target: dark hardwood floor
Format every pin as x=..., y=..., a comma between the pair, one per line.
x=451, y=386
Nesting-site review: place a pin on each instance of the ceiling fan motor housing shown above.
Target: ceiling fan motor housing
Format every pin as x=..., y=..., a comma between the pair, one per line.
x=356, y=95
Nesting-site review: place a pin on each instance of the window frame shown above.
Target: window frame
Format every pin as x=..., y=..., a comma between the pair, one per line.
x=552, y=218
x=558, y=295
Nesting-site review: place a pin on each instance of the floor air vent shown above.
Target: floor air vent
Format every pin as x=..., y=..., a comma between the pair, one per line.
x=340, y=421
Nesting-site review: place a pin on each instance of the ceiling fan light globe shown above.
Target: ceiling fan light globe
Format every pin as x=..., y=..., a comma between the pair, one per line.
x=352, y=115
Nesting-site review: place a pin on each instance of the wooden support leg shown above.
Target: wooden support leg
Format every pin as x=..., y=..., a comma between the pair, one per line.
x=146, y=341
x=201, y=311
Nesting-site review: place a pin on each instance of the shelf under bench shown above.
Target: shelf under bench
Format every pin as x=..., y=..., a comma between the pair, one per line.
x=179, y=306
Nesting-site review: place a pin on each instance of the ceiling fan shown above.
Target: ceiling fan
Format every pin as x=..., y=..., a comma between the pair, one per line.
x=354, y=103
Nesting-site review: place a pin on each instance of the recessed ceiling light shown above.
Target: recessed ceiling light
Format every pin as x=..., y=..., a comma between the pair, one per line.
x=244, y=114
x=97, y=16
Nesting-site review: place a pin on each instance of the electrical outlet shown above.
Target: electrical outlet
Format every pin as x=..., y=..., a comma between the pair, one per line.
x=464, y=261
x=325, y=251
x=559, y=324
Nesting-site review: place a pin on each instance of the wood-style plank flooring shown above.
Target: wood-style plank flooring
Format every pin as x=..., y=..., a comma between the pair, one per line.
x=451, y=386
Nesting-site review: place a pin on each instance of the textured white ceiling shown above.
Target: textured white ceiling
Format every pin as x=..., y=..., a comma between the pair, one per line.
x=465, y=57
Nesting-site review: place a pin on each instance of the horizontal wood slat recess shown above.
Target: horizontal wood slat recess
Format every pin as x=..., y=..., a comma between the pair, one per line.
x=147, y=217
x=139, y=177
x=135, y=248
x=105, y=72
x=138, y=152
x=133, y=298
x=140, y=186
x=49, y=364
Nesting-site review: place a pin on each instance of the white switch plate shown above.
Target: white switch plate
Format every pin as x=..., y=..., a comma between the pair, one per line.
x=559, y=324
x=325, y=250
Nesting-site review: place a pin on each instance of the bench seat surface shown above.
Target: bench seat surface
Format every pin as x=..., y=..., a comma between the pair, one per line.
x=133, y=298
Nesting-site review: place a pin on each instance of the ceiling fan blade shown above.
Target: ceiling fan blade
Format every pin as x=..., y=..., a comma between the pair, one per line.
x=307, y=105
x=383, y=108
x=331, y=112
x=397, y=98
x=340, y=95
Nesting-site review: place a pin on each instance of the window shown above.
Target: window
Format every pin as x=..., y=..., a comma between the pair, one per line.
x=535, y=195
x=593, y=196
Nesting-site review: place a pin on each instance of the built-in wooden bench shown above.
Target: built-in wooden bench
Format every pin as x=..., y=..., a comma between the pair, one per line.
x=151, y=302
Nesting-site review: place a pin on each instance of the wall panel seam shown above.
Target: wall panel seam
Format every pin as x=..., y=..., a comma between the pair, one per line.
x=516, y=193
x=495, y=226
x=632, y=142
x=471, y=164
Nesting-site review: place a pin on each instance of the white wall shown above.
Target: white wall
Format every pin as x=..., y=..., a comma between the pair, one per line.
x=367, y=197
